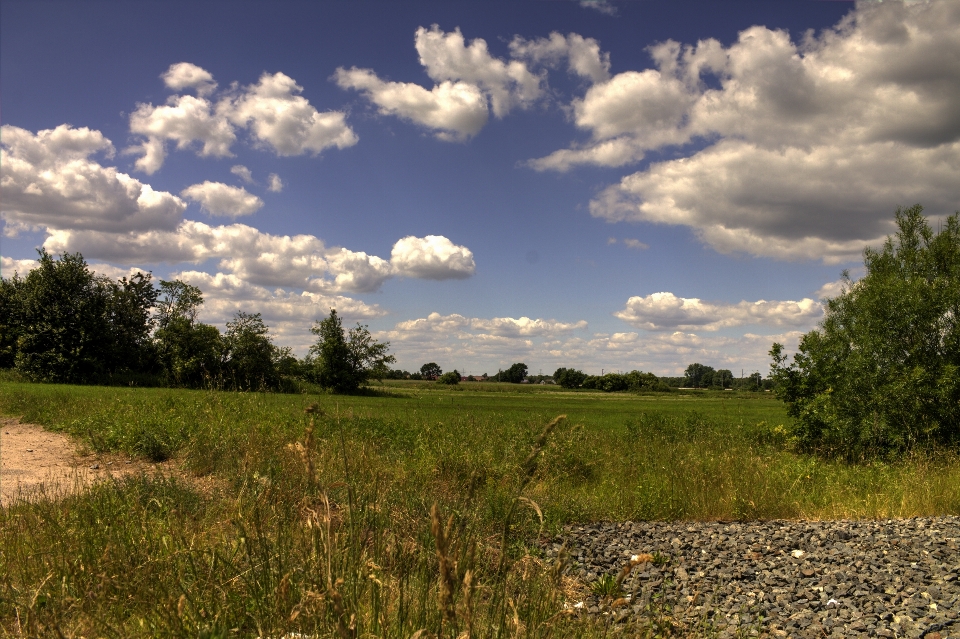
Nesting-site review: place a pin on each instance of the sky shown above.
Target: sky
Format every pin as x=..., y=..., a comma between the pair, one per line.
x=599, y=184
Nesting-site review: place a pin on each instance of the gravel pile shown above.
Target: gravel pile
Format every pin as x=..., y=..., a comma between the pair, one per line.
x=894, y=578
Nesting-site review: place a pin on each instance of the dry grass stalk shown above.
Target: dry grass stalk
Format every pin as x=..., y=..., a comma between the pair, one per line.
x=441, y=536
x=636, y=560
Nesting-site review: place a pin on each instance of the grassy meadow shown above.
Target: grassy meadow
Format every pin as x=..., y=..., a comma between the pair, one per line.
x=414, y=508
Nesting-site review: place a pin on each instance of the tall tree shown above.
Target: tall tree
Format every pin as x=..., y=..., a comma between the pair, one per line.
x=698, y=376
x=882, y=372
x=343, y=363
x=251, y=359
x=190, y=352
x=431, y=370
x=515, y=374
x=11, y=320
x=63, y=322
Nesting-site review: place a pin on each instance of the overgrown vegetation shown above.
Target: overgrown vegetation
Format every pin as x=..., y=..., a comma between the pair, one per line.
x=63, y=323
x=319, y=519
x=882, y=372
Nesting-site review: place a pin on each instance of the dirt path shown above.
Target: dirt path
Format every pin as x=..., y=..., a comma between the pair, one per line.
x=34, y=461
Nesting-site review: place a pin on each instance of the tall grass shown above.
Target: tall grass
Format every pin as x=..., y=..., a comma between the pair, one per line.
x=415, y=511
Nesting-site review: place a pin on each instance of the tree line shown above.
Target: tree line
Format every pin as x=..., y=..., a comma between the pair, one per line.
x=64, y=323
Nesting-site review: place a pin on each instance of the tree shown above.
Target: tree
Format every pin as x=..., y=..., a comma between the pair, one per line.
x=344, y=363
x=11, y=320
x=452, y=378
x=698, y=376
x=129, y=302
x=62, y=321
x=515, y=374
x=191, y=353
x=569, y=377
x=430, y=371
x=251, y=358
x=882, y=371
x=723, y=378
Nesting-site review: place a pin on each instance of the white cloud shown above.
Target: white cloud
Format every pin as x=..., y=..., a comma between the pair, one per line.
x=496, y=326
x=631, y=243
x=603, y=6
x=809, y=146
x=832, y=289
x=447, y=57
x=116, y=272
x=9, y=266
x=277, y=116
x=221, y=199
x=475, y=345
x=184, y=119
x=583, y=55
x=433, y=257
x=468, y=79
x=49, y=179
x=299, y=261
x=456, y=109
x=243, y=173
x=284, y=120
x=275, y=184
x=184, y=75
x=666, y=311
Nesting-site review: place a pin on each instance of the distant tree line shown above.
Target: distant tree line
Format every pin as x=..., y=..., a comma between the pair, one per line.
x=63, y=323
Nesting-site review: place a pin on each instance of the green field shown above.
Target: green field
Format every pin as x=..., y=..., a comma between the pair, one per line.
x=270, y=526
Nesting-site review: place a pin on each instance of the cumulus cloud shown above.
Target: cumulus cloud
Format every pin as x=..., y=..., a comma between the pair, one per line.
x=470, y=83
x=802, y=149
x=9, y=266
x=225, y=294
x=498, y=326
x=582, y=55
x=433, y=257
x=49, y=179
x=281, y=118
x=456, y=109
x=603, y=6
x=300, y=261
x=630, y=242
x=477, y=345
x=448, y=57
x=184, y=75
x=274, y=112
x=666, y=311
x=184, y=119
x=243, y=173
x=274, y=183
x=221, y=199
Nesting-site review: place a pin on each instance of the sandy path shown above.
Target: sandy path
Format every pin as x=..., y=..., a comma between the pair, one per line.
x=35, y=461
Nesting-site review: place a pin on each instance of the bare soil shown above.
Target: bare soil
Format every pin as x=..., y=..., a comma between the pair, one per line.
x=35, y=462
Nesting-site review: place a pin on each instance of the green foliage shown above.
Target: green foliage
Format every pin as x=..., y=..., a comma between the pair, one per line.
x=70, y=325
x=513, y=375
x=344, y=362
x=698, y=376
x=569, y=377
x=11, y=322
x=635, y=381
x=451, y=378
x=191, y=353
x=430, y=371
x=251, y=357
x=882, y=372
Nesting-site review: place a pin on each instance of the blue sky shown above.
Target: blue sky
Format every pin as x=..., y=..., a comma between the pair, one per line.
x=604, y=185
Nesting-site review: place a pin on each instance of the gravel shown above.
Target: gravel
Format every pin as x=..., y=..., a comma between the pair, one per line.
x=876, y=578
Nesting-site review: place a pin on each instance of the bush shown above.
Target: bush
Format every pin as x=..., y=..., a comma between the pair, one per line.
x=882, y=372
x=452, y=378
